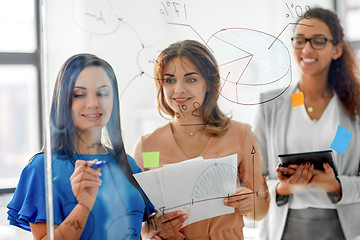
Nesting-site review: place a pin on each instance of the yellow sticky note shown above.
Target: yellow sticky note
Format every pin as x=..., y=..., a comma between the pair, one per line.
x=297, y=99
x=151, y=159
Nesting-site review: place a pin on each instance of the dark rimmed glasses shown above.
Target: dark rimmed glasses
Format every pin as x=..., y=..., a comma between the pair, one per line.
x=315, y=42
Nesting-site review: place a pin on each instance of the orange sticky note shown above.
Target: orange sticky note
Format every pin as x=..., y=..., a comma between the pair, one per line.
x=297, y=99
x=151, y=159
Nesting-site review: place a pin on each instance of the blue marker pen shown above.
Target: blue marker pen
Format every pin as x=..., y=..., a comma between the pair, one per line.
x=98, y=164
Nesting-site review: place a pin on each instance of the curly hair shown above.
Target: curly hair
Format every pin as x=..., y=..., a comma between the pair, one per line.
x=343, y=75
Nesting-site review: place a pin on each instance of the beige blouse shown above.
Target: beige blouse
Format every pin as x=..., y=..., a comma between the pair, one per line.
x=238, y=139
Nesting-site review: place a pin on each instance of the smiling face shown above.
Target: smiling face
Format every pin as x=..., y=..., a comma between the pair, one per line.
x=184, y=87
x=92, y=99
x=315, y=62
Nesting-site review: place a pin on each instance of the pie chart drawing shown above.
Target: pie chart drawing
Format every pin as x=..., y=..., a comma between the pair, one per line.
x=211, y=187
x=208, y=185
x=251, y=63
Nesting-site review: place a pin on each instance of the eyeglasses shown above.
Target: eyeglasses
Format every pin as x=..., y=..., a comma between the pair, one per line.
x=315, y=42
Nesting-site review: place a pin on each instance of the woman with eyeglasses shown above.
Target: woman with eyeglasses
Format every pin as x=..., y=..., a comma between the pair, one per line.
x=307, y=203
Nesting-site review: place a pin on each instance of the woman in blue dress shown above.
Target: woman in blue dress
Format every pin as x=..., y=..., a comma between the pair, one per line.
x=89, y=203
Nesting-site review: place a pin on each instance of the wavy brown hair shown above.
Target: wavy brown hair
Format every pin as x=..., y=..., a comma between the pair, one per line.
x=216, y=121
x=343, y=75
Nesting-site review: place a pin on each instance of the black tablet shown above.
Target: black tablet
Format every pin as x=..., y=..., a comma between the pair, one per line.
x=316, y=158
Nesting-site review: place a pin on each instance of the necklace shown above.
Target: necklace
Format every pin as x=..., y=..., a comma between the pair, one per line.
x=310, y=109
x=191, y=133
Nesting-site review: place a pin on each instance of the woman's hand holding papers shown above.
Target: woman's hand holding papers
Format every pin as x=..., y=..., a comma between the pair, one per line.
x=169, y=224
x=242, y=200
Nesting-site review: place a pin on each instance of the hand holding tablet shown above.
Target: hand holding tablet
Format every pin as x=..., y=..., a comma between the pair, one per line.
x=316, y=158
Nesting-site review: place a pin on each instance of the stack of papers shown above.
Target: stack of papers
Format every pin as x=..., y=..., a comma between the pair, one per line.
x=196, y=187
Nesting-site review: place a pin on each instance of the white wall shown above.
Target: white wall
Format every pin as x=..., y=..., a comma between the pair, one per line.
x=129, y=34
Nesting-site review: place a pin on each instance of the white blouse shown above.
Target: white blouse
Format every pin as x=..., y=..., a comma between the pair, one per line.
x=305, y=135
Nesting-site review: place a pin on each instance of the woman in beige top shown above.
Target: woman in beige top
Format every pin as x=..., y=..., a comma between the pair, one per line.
x=188, y=83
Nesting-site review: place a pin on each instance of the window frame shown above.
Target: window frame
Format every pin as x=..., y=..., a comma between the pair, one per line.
x=24, y=58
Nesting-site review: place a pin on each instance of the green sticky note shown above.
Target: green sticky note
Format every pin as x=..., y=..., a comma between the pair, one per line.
x=151, y=159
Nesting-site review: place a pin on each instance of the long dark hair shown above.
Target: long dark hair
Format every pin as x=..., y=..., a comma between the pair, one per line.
x=343, y=75
x=63, y=130
x=216, y=121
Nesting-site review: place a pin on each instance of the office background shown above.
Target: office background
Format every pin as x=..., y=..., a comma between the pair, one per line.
x=39, y=36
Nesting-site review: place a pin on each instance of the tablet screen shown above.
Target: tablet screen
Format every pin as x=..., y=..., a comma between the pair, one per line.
x=316, y=158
